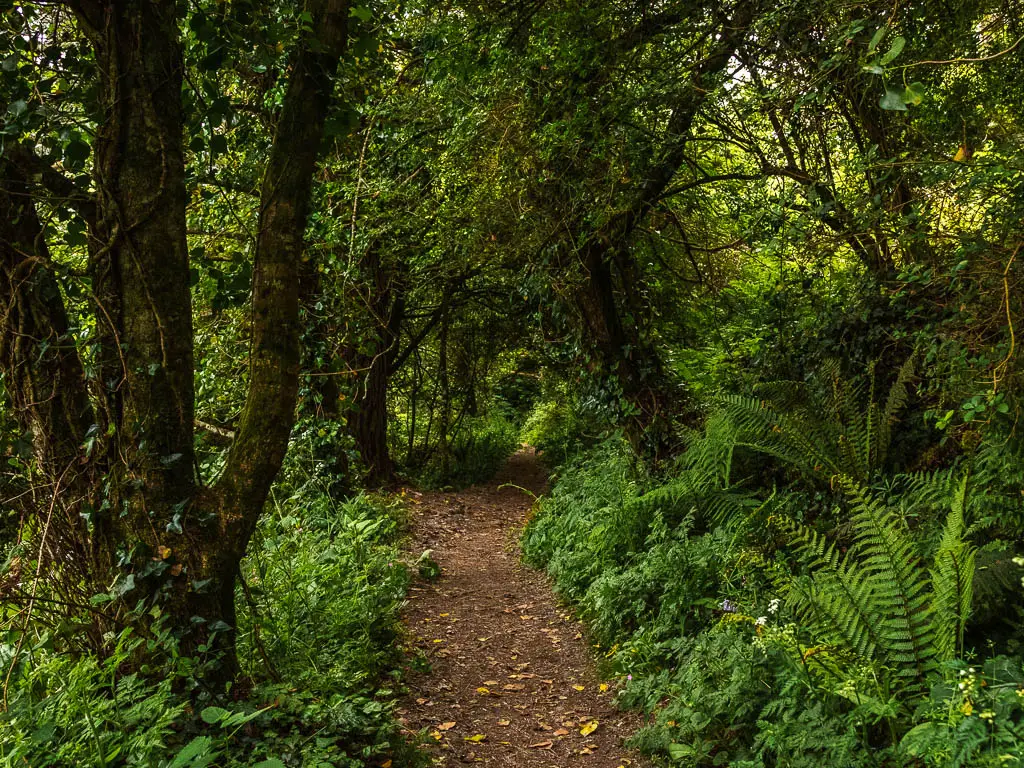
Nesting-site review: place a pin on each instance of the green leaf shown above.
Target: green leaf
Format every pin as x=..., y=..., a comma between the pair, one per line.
x=877, y=38
x=76, y=152
x=218, y=144
x=680, y=751
x=894, y=50
x=195, y=754
x=913, y=94
x=361, y=12
x=270, y=762
x=124, y=585
x=892, y=100
x=213, y=715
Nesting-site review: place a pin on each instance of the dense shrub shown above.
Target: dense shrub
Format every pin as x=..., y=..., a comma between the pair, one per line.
x=804, y=625
x=318, y=625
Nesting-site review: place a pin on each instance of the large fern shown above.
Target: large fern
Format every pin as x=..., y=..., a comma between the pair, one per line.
x=703, y=486
x=848, y=432
x=953, y=579
x=878, y=601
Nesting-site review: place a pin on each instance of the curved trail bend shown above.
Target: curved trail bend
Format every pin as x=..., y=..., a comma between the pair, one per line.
x=512, y=682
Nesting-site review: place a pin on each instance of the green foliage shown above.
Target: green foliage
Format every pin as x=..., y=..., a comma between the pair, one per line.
x=480, y=447
x=318, y=630
x=876, y=601
x=744, y=657
x=844, y=432
x=64, y=711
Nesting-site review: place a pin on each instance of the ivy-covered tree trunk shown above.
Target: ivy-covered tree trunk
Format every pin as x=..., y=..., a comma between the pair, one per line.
x=139, y=266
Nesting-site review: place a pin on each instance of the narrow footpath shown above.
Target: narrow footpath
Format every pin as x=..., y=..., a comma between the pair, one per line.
x=511, y=680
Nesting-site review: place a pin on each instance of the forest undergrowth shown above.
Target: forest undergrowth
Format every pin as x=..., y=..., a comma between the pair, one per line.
x=791, y=591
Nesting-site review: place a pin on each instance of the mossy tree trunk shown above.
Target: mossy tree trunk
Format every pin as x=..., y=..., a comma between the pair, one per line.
x=153, y=529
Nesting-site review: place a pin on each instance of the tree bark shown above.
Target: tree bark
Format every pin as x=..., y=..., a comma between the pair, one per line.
x=367, y=419
x=44, y=375
x=184, y=542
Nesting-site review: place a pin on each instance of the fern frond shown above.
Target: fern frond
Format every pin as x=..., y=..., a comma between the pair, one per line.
x=899, y=588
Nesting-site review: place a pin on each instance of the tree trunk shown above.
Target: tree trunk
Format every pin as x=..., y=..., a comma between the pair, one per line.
x=620, y=347
x=45, y=379
x=368, y=418
x=183, y=542
x=269, y=413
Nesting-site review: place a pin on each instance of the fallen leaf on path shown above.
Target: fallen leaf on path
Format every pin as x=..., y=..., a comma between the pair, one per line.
x=542, y=745
x=589, y=728
x=513, y=687
x=490, y=682
x=446, y=726
x=504, y=723
x=578, y=688
x=561, y=732
x=476, y=738
x=482, y=691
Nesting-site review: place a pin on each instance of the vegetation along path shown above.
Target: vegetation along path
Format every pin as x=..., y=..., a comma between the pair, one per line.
x=511, y=680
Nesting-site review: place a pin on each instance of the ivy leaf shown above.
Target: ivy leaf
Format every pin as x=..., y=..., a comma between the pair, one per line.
x=914, y=94
x=894, y=50
x=892, y=100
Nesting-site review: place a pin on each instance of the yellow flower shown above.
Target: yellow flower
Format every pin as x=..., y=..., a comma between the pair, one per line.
x=967, y=708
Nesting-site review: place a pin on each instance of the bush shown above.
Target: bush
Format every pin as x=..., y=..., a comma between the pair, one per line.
x=691, y=583
x=478, y=451
x=318, y=630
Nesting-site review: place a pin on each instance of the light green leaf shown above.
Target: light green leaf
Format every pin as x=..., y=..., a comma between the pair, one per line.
x=680, y=751
x=892, y=100
x=361, y=12
x=894, y=50
x=213, y=715
x=914, y=94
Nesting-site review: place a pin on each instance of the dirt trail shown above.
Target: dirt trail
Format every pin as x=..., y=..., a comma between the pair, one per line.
x=511, y=680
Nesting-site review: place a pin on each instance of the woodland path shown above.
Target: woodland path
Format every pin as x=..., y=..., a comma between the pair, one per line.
x=512, y=681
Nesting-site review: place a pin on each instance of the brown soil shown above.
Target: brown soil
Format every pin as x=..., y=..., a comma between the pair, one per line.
x=512, y=681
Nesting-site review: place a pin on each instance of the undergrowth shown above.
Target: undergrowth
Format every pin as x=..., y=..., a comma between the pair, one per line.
x=783, y=596
x=318, y=624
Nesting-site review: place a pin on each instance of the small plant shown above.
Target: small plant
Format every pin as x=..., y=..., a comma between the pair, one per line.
x=427, y=566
